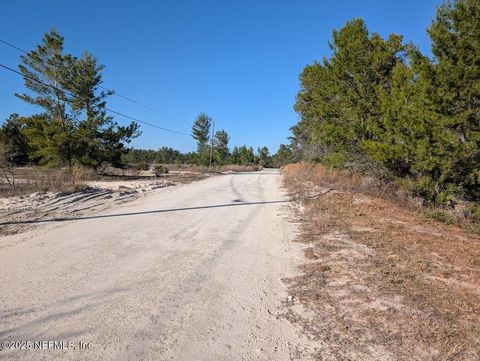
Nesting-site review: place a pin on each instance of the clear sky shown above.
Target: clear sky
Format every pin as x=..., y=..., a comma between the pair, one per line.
x=238, y=61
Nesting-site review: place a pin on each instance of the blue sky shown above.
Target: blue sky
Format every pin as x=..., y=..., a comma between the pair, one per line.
x=238, y=61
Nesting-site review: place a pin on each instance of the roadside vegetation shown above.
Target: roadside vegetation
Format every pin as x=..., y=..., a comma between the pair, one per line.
x=383, y=281
x=381, y=108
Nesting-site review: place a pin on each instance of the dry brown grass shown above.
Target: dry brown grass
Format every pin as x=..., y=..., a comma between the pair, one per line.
x=40, y=179
x=318, y=174
x=383, y=282
x=237, y=168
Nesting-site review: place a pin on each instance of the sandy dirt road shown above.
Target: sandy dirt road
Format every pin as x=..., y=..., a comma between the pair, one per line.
x=188, y=273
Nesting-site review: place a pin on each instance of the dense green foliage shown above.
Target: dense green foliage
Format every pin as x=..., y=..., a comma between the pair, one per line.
x=73, y=127
x=164, y=155
x=221, y=155
x=221, y=147
x=264, y=158
x=382, y=107
x=15, y=144
x=283, y=156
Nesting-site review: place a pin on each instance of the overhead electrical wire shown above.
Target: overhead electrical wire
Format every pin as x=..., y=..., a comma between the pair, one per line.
x=107, y=109
x=143, y=105
x=13, y=46
x=114, y=92
x=16, y=20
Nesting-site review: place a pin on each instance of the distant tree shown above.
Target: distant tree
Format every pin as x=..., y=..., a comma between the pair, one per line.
x=201, y=133
x=246, y=155
x=201, y=130
x=168, y=155
x=283, y=156
x=221, y=146
x=235, y=156
x=190, y=158
x=264, y=158
x=136, y=156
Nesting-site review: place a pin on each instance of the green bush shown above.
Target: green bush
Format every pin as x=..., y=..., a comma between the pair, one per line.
x=440, y=215
x=472, y=212
x=143, y=166
x=160, y=169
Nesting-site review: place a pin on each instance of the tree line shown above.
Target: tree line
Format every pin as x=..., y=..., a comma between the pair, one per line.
x=214, y=148
x=242, y=155
x=381, y=106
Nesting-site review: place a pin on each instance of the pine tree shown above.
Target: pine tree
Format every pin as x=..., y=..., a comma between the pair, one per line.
x=245, y=156
x=98, y=138
x=221, y=146
x=201, y=133
x=73, y=126
x=339, y=101
x=44, y=71
x=264, y=158
x=235, y=156
x=283, y=156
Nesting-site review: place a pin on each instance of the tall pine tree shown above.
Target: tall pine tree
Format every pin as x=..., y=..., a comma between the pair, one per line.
x=73, y=126
x=50, y=134
x=221, y=146
x=201, y=133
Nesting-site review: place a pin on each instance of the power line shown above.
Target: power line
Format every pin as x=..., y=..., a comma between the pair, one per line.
x=107, y=109
x=110, y=90
x=150, y=124
x=13, y=46
x=16, y=20
x=144, y=106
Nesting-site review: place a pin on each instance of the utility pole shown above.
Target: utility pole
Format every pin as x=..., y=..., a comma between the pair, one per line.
x=211, y=141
